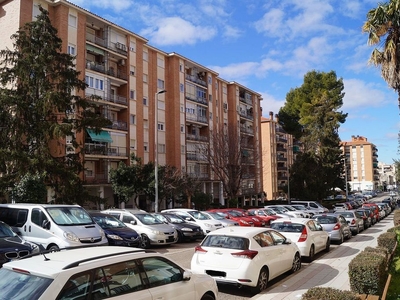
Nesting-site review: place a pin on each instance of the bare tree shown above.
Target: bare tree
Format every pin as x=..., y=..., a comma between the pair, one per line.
x=225, y=156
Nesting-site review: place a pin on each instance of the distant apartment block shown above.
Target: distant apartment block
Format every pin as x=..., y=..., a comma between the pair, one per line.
x=128, y=75
x=278, y=153
x=361, y=162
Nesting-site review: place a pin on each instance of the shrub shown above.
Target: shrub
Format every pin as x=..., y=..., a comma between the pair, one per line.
x=396, y=217
x=379, y=251
x=387, y=240
x=368, y=273
x=327, y=293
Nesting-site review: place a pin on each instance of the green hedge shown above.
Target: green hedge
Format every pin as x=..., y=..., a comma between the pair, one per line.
x=327, y=293
x=368, y=273
x=388, y=240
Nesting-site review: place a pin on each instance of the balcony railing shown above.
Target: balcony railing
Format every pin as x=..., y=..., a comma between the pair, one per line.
x=117, y=73
x=248, y=101
x=92, y=65
x=104, y=150
x=196, y=118
x=196, y=99
x=246, y=130
x=195, y=79
x=118, y=125
x=96, y=177
x=195, y=156
x=280, y=158
x=199, y=175
x=95, y=39
x=196, y=137
x=112, y=98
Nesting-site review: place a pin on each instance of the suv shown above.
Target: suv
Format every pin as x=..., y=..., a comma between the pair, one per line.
x=100, y=273
x=152, y=231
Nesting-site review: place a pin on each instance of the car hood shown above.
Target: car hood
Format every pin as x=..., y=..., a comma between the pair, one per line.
x=14, y=243
x=124, y=232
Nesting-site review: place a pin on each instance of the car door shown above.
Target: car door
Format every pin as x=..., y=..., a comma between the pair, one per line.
x=319, y=236
x=285, y=251
x=166, y=279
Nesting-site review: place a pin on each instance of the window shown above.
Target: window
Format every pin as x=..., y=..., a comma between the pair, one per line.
x=132, y=70
x=132, y=46
x=72, y=21
x=183, y=151
x=94, y=82
x=144, y=101
x=160, y=62
x=180, y=68
x=71, y=49
x=209, y=80
x=146, y=147
x=36, y=11
x=160, y=126
x=132, y=119
x=161, y=148
x=144, y=77
x=161, y=272
x=132, y=94
x=210, y=98
x=182, y=128
x=145, y=56
x=181, y=88
x=160, y=84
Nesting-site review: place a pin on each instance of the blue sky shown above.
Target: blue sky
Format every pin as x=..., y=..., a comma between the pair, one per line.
x=268, y=46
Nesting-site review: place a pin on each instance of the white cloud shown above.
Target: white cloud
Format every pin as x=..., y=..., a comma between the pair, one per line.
x=115, y=5
x=175, y=30
x=359, y=94
x=270, y=103
x=271, y=23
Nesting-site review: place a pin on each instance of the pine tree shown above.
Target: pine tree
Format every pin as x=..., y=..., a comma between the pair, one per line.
x=39, y=88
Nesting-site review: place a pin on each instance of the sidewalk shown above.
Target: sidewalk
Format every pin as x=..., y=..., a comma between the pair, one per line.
x=328, y=270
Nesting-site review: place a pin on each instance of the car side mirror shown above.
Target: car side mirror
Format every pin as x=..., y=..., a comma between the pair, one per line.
x=46, y=224
x=133, y=222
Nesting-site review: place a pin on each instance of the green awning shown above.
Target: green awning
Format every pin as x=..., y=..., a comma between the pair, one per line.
x=102, y=136
x=94, y=49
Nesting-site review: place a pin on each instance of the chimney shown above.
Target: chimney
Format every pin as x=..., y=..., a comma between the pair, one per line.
x=271, y=115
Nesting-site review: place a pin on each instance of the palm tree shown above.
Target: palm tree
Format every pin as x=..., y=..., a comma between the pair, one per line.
x=383, y=28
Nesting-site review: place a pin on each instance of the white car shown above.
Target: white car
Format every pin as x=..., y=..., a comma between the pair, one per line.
x=152, y=231
x=309, y=235
x=102, y=272
x=246, y=256
x=301, y=207
x=293, y=209
x=282, y=211
x=196, y=217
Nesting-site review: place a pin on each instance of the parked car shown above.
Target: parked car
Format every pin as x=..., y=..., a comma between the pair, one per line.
x=265, y=212
x=234, y=216
x=53, y=226
x=365, y=214
x=246, y=256
x=267, y=219
x=309, y=235
x=315, y=205
x=117, y=232
x=12, y=246
x=336, y=225
x=186, y=231
x=196, y=217
x=258, y=222
x=303, y=210
x=100, y=273
x=375, y=209
x=152, y=231
x=355, y=222
x=224, y=221
x=340, y=207
x=282, y=211
x=301, y=207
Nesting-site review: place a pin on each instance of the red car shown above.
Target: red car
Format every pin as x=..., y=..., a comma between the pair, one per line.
x=234, y=215
x=375, y=209
x=258, y=222
x=267, y=218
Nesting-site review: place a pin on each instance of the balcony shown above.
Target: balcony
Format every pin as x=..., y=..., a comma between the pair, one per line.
x=196, y=79
x=194, y=156
x=117, y=73
x=92, y=178
x=281, y=158
x=104, y=150
x=196, y=99
x=94, y=66
x=281, y=149
x=117, y=99
x=95, y=39
x=247, y=130
x=244, y=100
x=246, y=114
x=196, y=118
x=118, y=125
x=198, y=175
x=196, y=137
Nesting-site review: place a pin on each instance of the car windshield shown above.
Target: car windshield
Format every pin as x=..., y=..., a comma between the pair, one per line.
x=216, y=216
x=199, y=216
x=347, y=214
x=236, y=213
x=69, y=216
x=299, y=207
x=6, y=231
x=287, y=227
x=290, y=208
x=279, y=210
x=223, y=241
x=108, y=222
x=269, y=212
x=326, y=219
x=175, y=219
x=21, y=286
x=148, y=219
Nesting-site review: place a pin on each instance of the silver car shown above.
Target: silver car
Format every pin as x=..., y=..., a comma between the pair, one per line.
x=336, y=225
x=224, y=221
x=355, y=222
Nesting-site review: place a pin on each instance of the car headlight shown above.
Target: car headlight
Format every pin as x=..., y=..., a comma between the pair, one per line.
x=156, y=232
x=186, y=229
x=208, y=225
x=244, y=222
x=71, y=236
x=114, y=237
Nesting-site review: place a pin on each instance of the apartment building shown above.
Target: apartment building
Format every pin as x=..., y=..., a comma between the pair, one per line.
x=361, y=164
x=278, y=153
x=151, y=97
x=387, y=176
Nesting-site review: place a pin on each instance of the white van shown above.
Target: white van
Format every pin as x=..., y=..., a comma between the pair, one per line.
x=53, y=226
x=314, y=205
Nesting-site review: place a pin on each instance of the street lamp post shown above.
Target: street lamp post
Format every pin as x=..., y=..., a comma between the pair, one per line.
x=156, y=149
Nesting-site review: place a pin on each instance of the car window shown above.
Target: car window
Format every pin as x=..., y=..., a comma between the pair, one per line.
x=38, y=217
x=311, y=225
x=229, y=242
x=148, y=219
x=326, y=219
x=264, y=239
x=278, y=238
x=287, y=227
x=161, y=272
x=18, y=285
x=69, y=215
x=128, y=218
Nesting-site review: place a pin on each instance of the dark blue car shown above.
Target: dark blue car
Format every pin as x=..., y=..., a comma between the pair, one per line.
x=117, y=233
x=13, y=246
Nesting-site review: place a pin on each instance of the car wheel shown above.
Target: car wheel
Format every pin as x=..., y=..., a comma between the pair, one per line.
x=349, y=235
x=296, y=265
x=207, y=297
x=180, y=237
x=341, y=240
x=262, y=281
x=145, y=243
x=328, y=245
x=311, y=254
x=53, y=248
